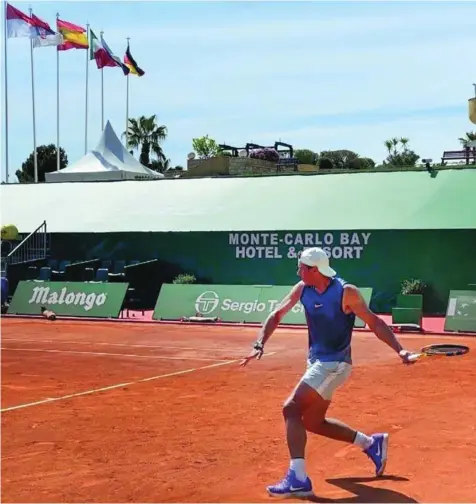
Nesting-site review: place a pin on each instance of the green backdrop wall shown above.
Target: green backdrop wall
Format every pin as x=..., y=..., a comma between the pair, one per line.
x=444, y=259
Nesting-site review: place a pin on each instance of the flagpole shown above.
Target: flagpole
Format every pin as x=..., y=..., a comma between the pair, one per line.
x=87, y=78
x=102, y=93
x=35, y=157
x=6, y=95
x=57, y=106
x=127, y=104
x=102, y=99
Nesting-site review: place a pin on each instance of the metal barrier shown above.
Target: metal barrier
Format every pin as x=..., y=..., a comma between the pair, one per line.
x=33, y=247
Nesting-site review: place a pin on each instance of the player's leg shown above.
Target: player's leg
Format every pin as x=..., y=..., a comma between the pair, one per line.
x=324, y=378
x=296, y=482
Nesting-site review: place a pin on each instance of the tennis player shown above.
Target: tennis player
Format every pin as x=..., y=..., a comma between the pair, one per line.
x=331, y=305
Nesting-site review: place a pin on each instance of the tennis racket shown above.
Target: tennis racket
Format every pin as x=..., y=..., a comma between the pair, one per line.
x=443, y=350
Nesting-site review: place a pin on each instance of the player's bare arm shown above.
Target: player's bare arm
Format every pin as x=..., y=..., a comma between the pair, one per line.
x=273, y=320
x=355, y=303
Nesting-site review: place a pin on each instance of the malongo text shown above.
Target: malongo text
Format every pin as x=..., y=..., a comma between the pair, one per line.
x=48, y=297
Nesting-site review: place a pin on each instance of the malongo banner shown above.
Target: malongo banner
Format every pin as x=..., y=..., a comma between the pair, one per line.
x=78, y=299
x=230, y=303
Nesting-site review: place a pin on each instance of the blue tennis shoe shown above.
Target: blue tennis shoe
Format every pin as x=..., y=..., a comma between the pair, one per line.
x=290, y=486
x=377, y=452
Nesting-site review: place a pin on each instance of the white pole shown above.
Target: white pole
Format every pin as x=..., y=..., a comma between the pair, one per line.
x=127, y=104
x=6, y=96
x=102, y=94
x=35, y=157
x=86, y=113
x=58, y=166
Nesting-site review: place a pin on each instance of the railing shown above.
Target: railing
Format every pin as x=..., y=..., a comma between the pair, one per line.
x=33, y=247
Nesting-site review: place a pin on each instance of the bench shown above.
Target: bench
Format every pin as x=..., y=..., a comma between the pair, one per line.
x=465, y=154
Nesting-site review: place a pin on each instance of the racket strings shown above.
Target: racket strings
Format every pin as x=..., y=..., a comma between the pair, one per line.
x=446, y=349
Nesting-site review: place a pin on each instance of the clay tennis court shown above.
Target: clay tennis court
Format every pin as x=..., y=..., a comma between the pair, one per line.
x=109, y=412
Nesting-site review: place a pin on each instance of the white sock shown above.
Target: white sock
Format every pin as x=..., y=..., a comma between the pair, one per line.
x=363, y=441
x=298, y=466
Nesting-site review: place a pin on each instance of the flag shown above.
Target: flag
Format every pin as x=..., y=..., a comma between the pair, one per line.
x=75, y=37
x=104, y=57
x=18, y=23
x=131, y=64
x=44, y=36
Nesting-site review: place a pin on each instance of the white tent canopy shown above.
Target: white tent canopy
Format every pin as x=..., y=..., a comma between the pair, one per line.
x=108, y=161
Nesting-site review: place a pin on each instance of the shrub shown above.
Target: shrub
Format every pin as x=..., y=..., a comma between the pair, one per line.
x=412, y=286
x=325, y=164
x=361, y=164
x=185, y=278
x=271, y=155
x=306, y=156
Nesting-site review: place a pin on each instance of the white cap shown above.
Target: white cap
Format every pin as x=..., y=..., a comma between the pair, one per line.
x=316, y=257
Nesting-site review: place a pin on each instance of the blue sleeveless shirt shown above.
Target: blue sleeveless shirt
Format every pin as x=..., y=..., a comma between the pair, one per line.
x=329, y=328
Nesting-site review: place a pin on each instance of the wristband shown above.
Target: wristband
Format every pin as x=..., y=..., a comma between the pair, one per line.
x=258, y=346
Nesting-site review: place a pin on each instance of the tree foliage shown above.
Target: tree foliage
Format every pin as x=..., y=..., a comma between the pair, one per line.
x=159, y=165
x=205, y=147
x=162, y=165
x=399, y=154
x=361, y=163
x=46, y=159
x=325, y=163
x=344, y=160
x=145, y=135
x=306, y=156
x=340, y=158
x=470, y=137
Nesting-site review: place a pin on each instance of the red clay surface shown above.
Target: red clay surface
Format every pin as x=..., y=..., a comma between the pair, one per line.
x=216, y=434
x=429, y=324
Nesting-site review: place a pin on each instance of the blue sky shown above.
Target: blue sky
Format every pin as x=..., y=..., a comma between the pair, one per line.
x=340, y=75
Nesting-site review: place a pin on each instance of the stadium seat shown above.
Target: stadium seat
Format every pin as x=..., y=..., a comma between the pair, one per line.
x=409, y=310
x=88, y=274
x=63, y=264
x=106, y=264
x=119, y=266
x=53, y=264
x=102, y=275
x=32, y=273
x=45, y=274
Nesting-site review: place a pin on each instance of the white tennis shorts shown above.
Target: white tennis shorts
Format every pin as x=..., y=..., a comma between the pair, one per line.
x=326, y=377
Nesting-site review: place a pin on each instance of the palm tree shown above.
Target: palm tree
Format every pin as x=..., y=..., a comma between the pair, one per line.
x=470, y=137
x=389, y=145
x=160, y=165
x=404, y=141
x=395, y=142
x=145, y=135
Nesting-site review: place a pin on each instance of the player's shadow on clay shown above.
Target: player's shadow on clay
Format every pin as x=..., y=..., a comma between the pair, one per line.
x=364, y=493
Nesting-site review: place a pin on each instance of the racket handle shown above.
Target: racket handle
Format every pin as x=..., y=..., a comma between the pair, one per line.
x=414, y=357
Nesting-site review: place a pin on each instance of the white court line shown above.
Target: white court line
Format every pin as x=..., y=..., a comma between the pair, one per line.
x=158, y=357
x=93, y=343
x=127, y=384
x=111, y=387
